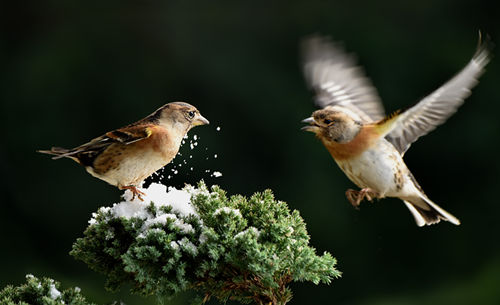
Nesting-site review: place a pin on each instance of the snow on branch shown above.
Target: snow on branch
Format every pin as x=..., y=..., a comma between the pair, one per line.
x=43, y=291
x=244, y=249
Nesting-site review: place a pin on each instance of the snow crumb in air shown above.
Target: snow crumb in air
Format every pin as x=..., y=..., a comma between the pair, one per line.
x=216, y=174
x=218, y=128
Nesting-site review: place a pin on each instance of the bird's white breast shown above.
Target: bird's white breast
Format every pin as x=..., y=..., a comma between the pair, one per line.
x=134, y=169
x=380, y=168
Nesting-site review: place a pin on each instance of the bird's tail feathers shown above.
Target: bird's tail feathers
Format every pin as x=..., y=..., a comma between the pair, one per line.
x=59, y=152
x=432, y=215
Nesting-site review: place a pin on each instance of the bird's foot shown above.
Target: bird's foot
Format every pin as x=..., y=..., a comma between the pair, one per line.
x=355, y=197
x=135, y=192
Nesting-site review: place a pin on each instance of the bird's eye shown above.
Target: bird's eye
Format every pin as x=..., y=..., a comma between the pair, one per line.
x=327, y=121
x=191, y=114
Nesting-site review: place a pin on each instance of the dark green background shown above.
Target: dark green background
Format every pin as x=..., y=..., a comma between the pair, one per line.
x=72, y=70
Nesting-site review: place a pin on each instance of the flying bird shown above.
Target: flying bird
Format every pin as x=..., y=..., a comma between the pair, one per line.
x=367, y=145
x=126, y=156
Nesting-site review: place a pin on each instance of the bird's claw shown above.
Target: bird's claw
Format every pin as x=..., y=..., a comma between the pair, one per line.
x=135, y=192
x=355, y=197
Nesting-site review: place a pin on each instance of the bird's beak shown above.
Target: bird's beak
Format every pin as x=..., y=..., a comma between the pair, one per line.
x=309, y=120
x=200, y=120
x=311, y=127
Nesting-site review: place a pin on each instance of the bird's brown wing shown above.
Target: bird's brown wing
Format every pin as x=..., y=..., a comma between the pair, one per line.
x=437, y=107
x=336, y=80
x=129, y=134
x=86, y=153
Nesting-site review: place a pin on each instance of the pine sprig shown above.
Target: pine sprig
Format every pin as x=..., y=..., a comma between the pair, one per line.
x=43, y=291
x=238, y=248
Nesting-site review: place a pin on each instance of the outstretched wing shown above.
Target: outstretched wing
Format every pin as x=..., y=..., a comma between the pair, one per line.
x=437, y=107
x=336, y=79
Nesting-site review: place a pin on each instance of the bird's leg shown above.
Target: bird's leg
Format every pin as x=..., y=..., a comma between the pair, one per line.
x=355, y=197
x=369, y=194
x=135, y=192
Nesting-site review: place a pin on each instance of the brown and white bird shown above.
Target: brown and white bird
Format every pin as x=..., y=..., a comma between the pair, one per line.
x=367, y=145
x=126, y=156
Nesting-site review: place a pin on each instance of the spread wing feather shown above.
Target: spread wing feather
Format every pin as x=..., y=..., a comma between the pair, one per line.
x=336, y=79
x=437, y=107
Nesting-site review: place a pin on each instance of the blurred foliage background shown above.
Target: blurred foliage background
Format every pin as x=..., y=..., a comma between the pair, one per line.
x=72, y=70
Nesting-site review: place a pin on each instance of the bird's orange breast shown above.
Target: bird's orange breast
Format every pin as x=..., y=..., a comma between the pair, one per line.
x=159, y=145
x=363, y=140
x=159, y=140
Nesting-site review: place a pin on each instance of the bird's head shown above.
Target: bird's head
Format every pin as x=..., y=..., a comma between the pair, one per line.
x=178, y=115
x=333, y=125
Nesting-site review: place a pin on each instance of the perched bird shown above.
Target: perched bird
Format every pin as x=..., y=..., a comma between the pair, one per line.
x=126, y=156
x=367, y=145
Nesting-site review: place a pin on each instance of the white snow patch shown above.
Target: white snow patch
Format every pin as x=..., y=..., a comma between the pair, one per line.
x=203, y=238
x=174, y=245
x=160, y=195
x=156, y=230
x=227, y=210
x=109, y=234
x=162, y=219
x=249, y=229
x=129, y=209
x=53, y=292
x=188, y=246
x=184, y=227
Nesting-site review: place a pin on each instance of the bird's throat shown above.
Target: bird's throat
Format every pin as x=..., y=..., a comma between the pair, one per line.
x=363, y=140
